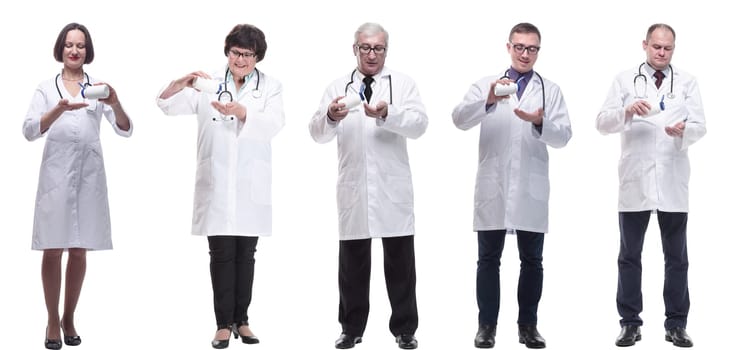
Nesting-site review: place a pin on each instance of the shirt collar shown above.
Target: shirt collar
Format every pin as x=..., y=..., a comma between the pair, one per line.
x=514, y=75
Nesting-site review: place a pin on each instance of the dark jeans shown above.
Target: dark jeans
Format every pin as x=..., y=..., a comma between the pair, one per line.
x=231, y=271
x=531, y=275
x=633, y=226
x=354, y=284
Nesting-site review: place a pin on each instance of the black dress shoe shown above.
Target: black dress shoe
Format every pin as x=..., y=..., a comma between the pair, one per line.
x=247, y=339
x=406, y=341
x=222, y=343
x=485, y=337
x=629, y=334
x=52, y=343
x=70, y=340
x=529, y=336
x=347, y=341
x=679, y=337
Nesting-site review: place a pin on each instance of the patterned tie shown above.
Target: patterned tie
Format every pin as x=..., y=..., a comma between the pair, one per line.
x=521, y=83
x=368, y=87
x=659, y=78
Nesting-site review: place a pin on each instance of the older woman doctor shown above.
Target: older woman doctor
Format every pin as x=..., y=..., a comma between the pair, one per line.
x=72, y=208
x=233, y=183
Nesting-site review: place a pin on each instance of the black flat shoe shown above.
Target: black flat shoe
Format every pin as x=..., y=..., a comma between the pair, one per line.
x=70, y=340
x=679, y=337
x=52, y=343
x=485, y=337
x=529, y=336
x=628, y=335
x=406, y=341
x=347, y=341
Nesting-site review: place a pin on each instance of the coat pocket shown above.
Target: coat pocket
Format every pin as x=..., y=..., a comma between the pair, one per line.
x=261, y=183
x=347, y=194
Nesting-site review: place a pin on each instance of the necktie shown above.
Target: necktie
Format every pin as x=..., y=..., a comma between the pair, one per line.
x=659, y=78
x=368, y=87
x=521, y=83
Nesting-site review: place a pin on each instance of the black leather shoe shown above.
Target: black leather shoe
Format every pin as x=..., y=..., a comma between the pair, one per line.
x=485, y=337
x=222, y=343
x=406, y=341
x=52, y=343
x=70, y=340
x=247, y=339
x=628, y=335
x=347, y=341
x=529, y=336
x=679, y=337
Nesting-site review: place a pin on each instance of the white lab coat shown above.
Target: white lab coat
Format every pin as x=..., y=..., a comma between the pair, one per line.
x=233, y=180
x=512, y=183
x=374, y=188
x=72, y=206
x=654, y=167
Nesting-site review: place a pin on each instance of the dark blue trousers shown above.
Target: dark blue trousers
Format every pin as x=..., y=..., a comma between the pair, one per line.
x=633, y=226
x=490, y=247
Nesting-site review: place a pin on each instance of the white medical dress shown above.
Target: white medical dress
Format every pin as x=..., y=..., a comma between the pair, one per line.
x=72, y=207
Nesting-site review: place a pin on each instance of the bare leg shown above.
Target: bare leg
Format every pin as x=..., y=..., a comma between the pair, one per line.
x=75, y=272
x=51, y=276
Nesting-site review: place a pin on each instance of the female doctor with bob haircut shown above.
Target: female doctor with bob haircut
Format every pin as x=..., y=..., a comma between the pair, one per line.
x=72, y=207
x=239, y=110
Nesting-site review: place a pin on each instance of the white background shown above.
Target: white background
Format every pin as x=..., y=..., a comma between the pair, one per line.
x=153, y=290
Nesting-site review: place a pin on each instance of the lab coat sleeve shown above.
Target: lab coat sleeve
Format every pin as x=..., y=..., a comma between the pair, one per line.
x=409, y=118
x=612, y=118
x=184, y=102
x=322, y=129
x=695, y=120
x=31, y=124
x=264, y=124
x=472, y=110
x=556, y=126
x=111, y=118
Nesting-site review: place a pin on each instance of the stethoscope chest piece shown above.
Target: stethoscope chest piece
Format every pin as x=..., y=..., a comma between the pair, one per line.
x=256, y=93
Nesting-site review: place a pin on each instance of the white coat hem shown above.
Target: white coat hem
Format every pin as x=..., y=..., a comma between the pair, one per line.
x=239, y=234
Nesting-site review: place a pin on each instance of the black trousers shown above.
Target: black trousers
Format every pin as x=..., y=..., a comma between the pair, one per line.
x=354, y=284
x=633, y=226
x=231, y=271
x=531, y=275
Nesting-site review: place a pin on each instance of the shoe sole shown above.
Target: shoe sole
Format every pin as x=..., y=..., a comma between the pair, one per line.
x=669, y=339
x=356, y=341
x=521, y=341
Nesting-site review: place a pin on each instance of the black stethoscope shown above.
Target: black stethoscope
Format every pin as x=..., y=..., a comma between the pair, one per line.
x=87, y=84
x=645, y=82
x=229, y=96
x=506, y=76
x=256, y=93
x=361, y=88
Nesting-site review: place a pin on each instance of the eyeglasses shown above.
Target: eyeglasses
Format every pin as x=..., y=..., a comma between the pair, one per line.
x=238, y=54
x=366, y=49
x=519, y=48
